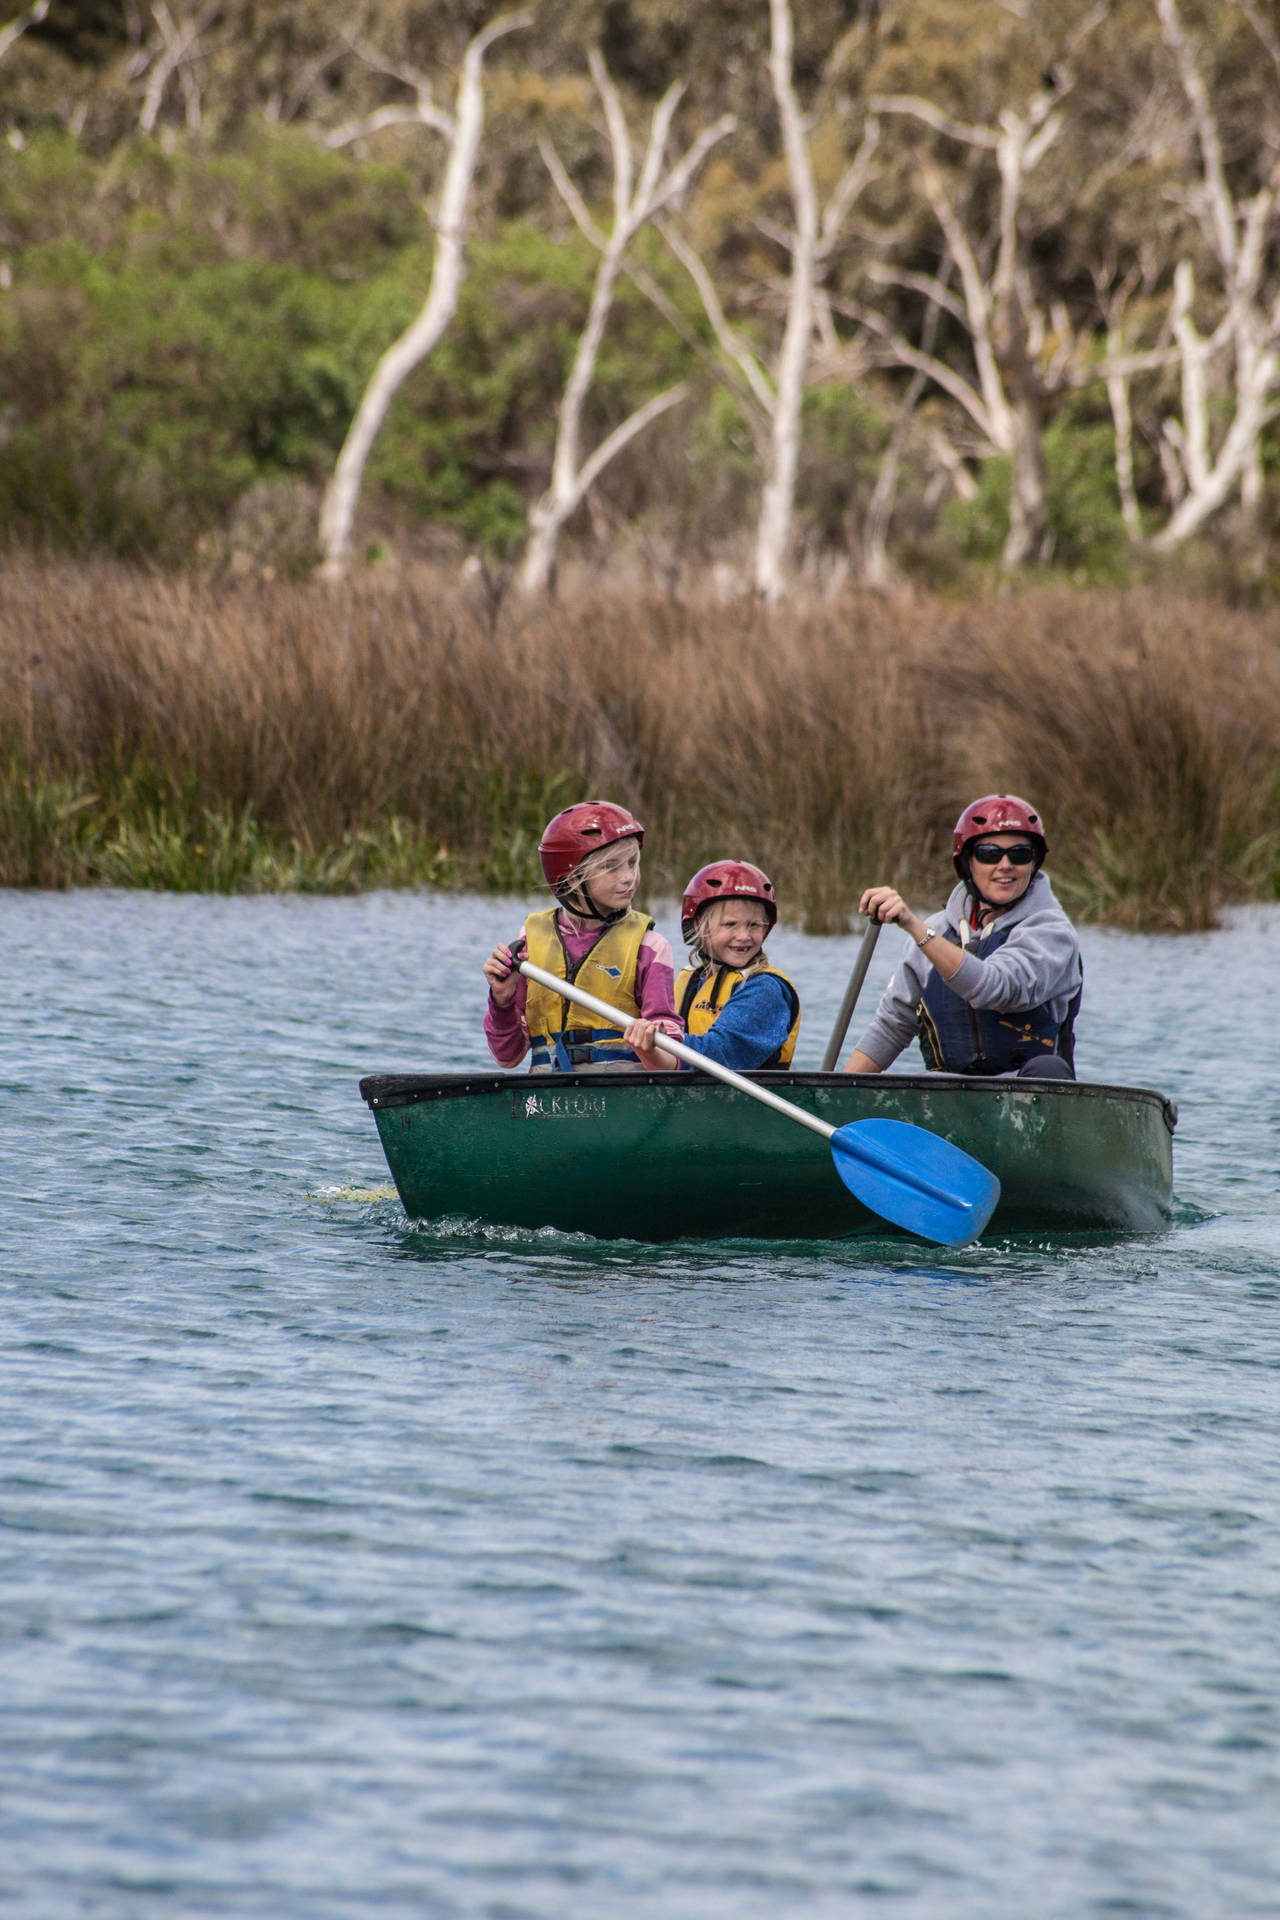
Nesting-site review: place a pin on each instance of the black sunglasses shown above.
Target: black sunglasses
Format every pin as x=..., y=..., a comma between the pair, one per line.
x=990, y=855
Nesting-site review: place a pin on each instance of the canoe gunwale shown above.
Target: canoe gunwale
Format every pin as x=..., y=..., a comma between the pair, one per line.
x=385, y=1090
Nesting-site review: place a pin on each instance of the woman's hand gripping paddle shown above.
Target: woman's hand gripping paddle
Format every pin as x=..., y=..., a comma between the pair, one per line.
x=904, y=1173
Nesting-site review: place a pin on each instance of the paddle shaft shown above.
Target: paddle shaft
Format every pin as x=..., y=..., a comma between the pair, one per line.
x=568, y=991
x=851, y=992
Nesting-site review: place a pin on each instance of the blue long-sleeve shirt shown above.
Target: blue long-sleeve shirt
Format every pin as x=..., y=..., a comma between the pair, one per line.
x=752, y=1025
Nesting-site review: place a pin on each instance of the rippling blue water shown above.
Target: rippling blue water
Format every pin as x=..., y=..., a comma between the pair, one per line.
x=351, y=1568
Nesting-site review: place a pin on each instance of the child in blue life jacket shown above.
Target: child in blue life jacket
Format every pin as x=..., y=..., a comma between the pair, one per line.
x=737, y=1008
x=590, y=856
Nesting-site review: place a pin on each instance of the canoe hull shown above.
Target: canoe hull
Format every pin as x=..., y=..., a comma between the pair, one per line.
x=665, y=1156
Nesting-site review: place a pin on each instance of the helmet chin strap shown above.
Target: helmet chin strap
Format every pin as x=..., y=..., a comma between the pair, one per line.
x=975, y=890
x=605, y=915
x=992, y=906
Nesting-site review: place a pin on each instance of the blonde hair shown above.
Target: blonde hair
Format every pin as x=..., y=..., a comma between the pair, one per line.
x=705, y=922
x=575, y=881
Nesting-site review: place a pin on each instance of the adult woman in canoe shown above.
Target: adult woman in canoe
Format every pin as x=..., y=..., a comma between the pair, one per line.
x=590, y=855
x=737, y=1008
x=992, y=984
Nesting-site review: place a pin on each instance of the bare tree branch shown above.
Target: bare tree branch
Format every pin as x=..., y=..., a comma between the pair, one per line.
x=636, y=201
x=1121, y=365
x=178, y=40
x=613, y=444
x=304, y=84
x=1021, y=353
x=31, y=17
x=931, y=286
x=856, y=177
x=569, y=194
x=1269, y=39
x=640, y=279
x=875, y=527
x=731, y=344
x=978, y=302
x=383, y=117
x=1237, y=233
x=906, y=354
x=424, y=111
x=1222, y=228
x=337, y=513
x=925, y=111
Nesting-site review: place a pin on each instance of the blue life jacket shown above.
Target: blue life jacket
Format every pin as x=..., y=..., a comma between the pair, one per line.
x=703, y=993
x=958, y=1038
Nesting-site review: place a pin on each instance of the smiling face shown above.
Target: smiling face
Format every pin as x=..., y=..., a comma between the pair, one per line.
x=610, y=876
x=1002, y=881
x=733, y=932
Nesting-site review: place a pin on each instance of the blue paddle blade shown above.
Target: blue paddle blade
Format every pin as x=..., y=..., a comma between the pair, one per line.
x=916, y=1179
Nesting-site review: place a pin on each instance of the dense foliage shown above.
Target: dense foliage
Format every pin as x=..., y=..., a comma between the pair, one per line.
x=199, y=270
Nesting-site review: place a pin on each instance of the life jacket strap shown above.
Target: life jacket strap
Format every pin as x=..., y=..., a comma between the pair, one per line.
x=575, y=1047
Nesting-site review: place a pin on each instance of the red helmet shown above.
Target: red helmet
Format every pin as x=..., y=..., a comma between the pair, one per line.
x=578, y=831
x=725, y=880
x=995, y=813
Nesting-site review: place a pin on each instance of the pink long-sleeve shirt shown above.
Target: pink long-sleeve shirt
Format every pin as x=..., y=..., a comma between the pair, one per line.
x=507, y=1030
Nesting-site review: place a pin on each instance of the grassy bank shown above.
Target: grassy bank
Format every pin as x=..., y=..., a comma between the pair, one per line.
x=164, y=731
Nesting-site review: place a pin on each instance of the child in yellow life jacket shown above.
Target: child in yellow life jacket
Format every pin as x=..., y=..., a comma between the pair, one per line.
x=590, y=856
x=737, y=1008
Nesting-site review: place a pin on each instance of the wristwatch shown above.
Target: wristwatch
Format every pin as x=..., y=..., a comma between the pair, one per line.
x=926, y=936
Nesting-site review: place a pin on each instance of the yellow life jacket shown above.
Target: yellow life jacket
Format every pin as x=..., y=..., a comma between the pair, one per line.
x=565, y=1036
x=702, y=995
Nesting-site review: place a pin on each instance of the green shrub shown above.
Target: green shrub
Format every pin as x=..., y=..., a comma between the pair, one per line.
x=185, y=327
x=843, y=438
x=1083, y=523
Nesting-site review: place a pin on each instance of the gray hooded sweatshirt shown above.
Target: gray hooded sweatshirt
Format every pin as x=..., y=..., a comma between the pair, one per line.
x=1038, y=965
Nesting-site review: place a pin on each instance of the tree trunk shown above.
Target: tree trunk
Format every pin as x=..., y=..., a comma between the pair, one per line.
x=1028, y=495
x=548, y=515
x=337, y=512
x=773, y=531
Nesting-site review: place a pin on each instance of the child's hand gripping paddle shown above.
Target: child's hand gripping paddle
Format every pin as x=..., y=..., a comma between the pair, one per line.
x=904, y=1173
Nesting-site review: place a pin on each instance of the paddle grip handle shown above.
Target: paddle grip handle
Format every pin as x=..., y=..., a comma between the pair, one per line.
x=569, y=991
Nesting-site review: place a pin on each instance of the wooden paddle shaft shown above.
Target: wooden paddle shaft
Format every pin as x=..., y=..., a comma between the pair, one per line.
x=851, y=993
x=576, y=994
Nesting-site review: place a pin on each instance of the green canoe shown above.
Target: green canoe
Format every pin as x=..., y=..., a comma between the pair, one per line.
x=661, y=1156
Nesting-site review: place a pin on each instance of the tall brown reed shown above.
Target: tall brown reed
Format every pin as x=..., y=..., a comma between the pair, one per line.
x=287, y=734
x=1150, y=726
